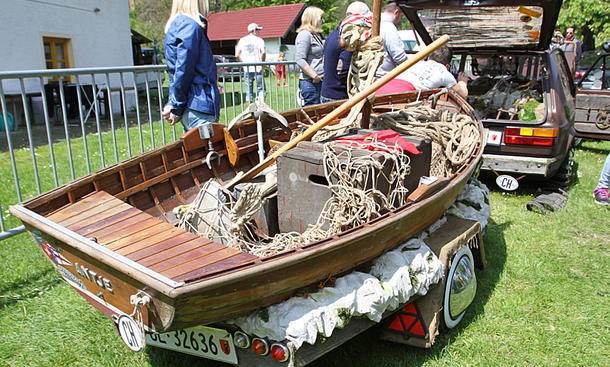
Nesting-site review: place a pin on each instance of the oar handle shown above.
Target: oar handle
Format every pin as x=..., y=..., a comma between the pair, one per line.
x=336, y=113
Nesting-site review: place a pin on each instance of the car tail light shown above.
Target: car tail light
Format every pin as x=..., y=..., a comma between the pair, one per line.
x=530, y=136
x=260, y=346
x=279, y=352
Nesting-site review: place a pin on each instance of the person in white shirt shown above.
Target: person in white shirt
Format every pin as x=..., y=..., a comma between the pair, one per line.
x=428, y=74
x=251, y=49
x=394, y=49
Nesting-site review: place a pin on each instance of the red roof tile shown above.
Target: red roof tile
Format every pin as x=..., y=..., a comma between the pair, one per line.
x=275, y=20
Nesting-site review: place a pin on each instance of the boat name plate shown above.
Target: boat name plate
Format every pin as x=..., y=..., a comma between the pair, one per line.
x=200, y=341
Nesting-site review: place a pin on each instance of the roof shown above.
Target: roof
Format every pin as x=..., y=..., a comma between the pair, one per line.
x=137, y=37
x=275, y=20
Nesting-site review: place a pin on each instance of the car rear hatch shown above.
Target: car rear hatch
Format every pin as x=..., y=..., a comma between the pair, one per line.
x=485, y=24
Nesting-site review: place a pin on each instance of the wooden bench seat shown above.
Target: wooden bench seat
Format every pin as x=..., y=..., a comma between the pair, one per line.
x=128, y=231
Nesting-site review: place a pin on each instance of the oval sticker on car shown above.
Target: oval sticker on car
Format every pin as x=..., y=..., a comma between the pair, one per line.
x=507, y=182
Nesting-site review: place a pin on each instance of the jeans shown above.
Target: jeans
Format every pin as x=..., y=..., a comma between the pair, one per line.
x=326, y=99
x=604, y=177
x=310, y=91
x=192, y=118
x=251, y=78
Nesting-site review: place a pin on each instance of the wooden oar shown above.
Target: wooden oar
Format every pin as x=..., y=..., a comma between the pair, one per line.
x=339, y=111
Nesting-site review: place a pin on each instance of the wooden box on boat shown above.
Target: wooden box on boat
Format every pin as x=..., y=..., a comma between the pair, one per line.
x=303, y=188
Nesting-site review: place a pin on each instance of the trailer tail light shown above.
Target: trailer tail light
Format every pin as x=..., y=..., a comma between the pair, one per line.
x=530, y=136
x=279, y=352
x=260, y=346
x=410, y=322
x=241, y=340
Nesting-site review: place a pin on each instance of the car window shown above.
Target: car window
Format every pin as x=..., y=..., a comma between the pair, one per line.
x=504, y=87
x=599, y=76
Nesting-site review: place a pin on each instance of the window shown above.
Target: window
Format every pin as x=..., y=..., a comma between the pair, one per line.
x=56, y=52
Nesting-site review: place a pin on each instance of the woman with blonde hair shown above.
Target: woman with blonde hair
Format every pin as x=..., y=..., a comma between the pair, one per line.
x=193, y=91
x=309, y=55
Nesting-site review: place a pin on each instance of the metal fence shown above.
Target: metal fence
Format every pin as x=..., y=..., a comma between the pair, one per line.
x=60, y=124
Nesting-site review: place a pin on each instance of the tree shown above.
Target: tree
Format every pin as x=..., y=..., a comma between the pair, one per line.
x=590, y=18
x=149, y=18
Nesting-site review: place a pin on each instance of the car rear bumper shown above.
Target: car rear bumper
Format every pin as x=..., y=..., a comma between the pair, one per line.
x=545, y=167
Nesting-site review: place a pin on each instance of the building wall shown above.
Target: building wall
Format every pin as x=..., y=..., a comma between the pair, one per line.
x=97, y=38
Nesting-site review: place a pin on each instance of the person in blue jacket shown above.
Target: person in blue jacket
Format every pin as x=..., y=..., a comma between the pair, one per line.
x=194, y=98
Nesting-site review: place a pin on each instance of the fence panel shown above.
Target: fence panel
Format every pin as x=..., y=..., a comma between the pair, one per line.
x=61, y=124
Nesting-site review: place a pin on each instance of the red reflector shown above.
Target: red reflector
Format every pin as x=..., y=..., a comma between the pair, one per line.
x=513, y=131
x=260, y=347
x=279, y=353
x=409, y=322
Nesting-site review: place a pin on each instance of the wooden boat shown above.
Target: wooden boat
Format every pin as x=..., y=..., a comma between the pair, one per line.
x=111, y=236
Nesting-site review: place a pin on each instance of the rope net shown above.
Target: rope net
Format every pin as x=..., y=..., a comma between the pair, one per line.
x=363, y=184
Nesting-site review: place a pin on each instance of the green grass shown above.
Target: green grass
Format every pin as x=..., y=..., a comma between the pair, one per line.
x=542, y=301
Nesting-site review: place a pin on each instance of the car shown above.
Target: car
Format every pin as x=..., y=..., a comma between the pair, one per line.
x=592, y=118
x=227, y=72
x=410, y=40
x=522, y=91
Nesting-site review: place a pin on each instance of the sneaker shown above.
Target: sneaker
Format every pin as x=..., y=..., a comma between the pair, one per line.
x=601, y=196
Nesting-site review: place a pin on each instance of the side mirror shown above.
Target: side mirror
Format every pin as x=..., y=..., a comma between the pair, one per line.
x=606, y=46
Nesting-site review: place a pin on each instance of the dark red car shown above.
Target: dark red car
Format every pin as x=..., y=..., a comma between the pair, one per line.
x=523, y=92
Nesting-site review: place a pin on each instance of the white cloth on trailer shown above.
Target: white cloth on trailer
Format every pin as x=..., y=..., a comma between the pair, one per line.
x=394, y=278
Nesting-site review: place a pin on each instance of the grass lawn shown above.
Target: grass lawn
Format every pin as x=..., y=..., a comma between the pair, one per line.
x=542, y=301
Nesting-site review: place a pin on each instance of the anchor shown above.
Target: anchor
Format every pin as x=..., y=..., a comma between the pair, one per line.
x=257, y=111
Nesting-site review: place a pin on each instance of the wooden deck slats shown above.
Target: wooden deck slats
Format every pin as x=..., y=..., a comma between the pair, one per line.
x=146, y=239
x=163, y=239
x=100, y=211
x=138, y=236
x=227, y=263
x=180, y=254
x=105, y=219
x=74, y=209
x=122, y=229
x=191, y=265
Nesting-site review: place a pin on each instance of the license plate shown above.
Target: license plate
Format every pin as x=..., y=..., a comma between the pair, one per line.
x=494, y=137
x=200, y=341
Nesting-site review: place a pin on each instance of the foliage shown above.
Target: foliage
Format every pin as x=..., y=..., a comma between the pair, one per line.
x=149, y=18
x=590, y=17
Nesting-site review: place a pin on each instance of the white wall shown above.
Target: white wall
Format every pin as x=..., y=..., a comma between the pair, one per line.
x=273, y=49
x=98, y=39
